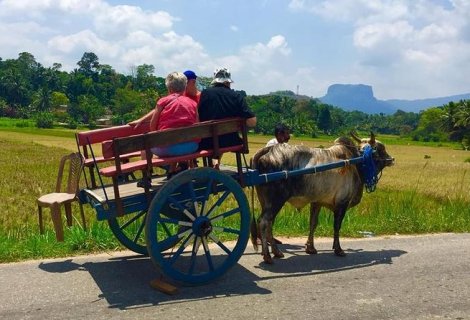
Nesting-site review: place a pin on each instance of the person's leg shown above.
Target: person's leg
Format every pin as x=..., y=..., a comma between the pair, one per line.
x=178, y=149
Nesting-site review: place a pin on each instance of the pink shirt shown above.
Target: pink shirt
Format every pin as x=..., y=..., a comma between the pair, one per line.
x=178, y=111
x=195, y=98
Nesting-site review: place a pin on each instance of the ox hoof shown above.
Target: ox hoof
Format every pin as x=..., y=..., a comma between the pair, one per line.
x=340, y=252
x=310, y=249
x=268, y=259
x=278, y=254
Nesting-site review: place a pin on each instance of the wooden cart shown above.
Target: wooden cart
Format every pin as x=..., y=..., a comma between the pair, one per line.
x=194, y=226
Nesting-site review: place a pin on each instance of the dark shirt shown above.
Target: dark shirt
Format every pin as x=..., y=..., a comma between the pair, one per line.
x=219, y=102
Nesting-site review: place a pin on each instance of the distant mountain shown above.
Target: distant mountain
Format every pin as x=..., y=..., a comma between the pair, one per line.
x=422, y=104
x=361, y=97
x=355, y=97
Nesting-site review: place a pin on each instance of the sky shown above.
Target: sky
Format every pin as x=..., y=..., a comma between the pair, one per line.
x=411, y=49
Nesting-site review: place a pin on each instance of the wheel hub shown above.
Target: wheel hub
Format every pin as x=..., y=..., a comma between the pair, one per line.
x=202, y=226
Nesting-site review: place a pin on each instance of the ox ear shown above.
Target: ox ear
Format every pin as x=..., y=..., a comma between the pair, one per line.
x=372, y=138
x=354, y=136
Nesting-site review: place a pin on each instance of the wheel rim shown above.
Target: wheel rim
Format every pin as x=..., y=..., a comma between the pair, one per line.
x=128, y=230
x=206, y=230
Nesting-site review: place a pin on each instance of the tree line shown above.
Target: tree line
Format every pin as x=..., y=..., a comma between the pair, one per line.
x=93, y=90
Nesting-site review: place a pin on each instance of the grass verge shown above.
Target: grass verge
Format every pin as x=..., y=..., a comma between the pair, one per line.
x=411, y=198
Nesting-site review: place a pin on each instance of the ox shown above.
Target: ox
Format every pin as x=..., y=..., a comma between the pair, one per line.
x=336, y=189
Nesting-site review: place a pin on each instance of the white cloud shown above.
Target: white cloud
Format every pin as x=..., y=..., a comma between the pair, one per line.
x=116, y=20
x=416, y=45
x=402, y=48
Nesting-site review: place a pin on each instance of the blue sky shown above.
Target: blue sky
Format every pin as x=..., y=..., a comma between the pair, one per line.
x=404, y=49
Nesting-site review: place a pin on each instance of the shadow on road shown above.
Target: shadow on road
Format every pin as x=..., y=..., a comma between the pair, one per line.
x=124, y=282
x=296, y=263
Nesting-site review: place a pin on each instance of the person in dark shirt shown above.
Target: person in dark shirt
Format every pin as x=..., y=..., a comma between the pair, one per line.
x=218, y=102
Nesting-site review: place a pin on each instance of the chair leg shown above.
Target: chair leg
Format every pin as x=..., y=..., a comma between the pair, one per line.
x=83, y=215
x=41, y=226
x=57, y=221
x=68, y=213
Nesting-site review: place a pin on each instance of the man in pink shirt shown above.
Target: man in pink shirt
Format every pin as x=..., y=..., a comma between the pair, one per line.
x=191, y=88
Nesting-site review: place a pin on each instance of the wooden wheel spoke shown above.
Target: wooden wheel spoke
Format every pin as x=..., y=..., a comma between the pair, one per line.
x=225, y=215
x=218, y=202
x=208, y=254
x=220, y=244
x=229, y=230
x=139, y=231
x=180, y=250
x=137, y=216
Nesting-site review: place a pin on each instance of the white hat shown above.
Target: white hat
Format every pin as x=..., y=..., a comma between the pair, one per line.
x=222, y=75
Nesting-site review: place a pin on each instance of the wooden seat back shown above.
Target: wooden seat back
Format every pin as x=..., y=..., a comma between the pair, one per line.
x=207, y=129
x=86, y=140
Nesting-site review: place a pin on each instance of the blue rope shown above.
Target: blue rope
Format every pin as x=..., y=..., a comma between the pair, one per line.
x=369, y=170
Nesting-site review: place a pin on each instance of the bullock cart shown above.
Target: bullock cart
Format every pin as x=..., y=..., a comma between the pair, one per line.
x=194, y=226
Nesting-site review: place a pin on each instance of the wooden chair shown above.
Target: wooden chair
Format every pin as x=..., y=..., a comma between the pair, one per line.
x=66, y=192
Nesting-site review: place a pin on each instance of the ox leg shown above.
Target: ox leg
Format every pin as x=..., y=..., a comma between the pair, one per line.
x=276, y=252
x=314, y=212
x=266, y=228
x=338, y=220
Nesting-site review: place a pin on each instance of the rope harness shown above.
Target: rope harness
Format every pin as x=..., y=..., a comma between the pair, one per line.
x=368, y=169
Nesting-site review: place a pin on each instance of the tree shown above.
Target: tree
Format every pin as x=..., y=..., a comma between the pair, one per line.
x=145, y=79
x=90, y=108
x=324, y=119
x=89, y=65
x=42, y=99
x=126, y=102
x=59, y=99
x=430, y=124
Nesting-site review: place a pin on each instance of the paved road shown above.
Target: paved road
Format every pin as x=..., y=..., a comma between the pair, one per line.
x=422, y=277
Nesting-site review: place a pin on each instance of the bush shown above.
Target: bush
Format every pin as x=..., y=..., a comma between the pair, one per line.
x=72, y=124
x=22, y=124
x=44, y=120
x=92, y=125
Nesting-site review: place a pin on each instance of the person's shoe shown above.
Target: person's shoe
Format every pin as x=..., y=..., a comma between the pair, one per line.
x=182, y=166
x=144, y=182
x=170, y=175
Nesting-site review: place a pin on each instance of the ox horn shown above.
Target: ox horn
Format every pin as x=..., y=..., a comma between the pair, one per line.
x=372, y=138
x=355, y=137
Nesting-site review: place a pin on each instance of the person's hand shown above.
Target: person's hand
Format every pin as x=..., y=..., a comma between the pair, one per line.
x=135, y=124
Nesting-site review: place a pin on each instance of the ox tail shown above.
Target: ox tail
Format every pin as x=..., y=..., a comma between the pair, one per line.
x=254, y=233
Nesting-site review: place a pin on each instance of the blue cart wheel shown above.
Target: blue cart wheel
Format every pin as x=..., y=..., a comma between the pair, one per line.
x=203, y=215
x=129, y=231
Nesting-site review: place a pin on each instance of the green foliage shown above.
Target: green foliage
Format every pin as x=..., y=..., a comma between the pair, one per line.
x=27, y=87
x=22, y=124
x=72, y=124
x=44, y=120
x=59, y=99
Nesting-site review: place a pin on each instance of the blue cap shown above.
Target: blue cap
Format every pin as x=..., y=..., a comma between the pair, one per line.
x=190, y=74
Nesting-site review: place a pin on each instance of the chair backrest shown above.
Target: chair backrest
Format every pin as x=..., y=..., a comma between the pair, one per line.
x=74, y=164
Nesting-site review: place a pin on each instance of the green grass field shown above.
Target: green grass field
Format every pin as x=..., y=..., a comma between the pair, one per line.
x=426, y=191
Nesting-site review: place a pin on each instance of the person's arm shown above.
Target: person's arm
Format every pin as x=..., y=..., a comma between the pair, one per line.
x=143, y=119
x=155, y=118
x=251, y=122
